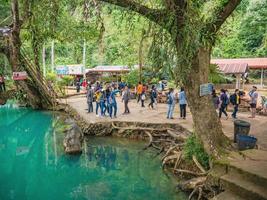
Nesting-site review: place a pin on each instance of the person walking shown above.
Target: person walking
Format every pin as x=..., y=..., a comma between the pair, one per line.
x=253, y=101
x=90, y=98
x=171, y=103
x=153, y=96
x=78, y=85
x=107, y=94
x=139, y=91
x=223, y=104
x=182, y=102
x=97, y=100
x=235, y=100
x=215, y=99
x=113, y=103
x=125, y=98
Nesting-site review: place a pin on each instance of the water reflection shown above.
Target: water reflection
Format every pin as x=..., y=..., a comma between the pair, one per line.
x=104, y=156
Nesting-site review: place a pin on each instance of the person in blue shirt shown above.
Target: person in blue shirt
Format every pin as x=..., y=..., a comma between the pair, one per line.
x=112, y=103
x=171, y=103
x=182, y=103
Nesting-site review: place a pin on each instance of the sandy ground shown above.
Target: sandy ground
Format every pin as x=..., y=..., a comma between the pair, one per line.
x=138, y=114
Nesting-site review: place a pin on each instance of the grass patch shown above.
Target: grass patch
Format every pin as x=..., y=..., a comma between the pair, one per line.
x=194, y=147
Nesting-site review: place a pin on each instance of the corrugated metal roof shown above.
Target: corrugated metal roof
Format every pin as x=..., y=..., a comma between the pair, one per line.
x=234, y=68
x=253, y=63
x=109, y=69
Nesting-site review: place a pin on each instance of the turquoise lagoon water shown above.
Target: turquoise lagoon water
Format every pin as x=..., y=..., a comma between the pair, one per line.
x=33, y=165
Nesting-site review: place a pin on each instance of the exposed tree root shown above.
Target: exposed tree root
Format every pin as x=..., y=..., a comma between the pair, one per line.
x=198, y=164
x=171, y=142
x=190, y=172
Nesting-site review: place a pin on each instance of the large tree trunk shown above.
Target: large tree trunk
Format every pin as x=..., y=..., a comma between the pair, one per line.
x=207, y=125
x=38, y=93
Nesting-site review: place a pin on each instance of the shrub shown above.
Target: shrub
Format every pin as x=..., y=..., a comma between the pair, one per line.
x=51, y=77
x=194, y=147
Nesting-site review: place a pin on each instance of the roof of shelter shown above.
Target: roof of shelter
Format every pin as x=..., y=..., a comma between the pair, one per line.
x=253, y=63
x=238, y=68
x=108, y=69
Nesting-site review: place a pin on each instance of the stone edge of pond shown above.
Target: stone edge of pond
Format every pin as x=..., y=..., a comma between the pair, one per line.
x=107, y=129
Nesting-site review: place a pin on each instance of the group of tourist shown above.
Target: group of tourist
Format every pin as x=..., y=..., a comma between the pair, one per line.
x=104, y=97
x=222, y=101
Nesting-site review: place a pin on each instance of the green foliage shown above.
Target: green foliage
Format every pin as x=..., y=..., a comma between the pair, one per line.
x=132, y=78
x=194, y=147
x=52, y=77
x=215, y=76
x=244, y=34
x=66, y=80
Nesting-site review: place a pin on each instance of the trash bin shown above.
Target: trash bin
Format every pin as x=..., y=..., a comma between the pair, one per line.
x=241, y=127
x=246, y=142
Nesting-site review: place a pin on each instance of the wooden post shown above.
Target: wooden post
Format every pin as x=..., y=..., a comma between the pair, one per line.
x=238, y=76
x=52, y=56
x=117, y=80
x=262, y=74
x=44, y=67
x=84, y=58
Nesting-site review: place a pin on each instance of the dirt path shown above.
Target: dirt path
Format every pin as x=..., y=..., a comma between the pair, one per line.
x=138, y=114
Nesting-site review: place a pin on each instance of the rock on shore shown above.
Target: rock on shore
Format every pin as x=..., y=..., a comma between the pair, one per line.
x=73, y=140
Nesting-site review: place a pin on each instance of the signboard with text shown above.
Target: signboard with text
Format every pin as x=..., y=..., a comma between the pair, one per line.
x=206, y=89
x=19, y=76
x=76, y=70
x=62, y=70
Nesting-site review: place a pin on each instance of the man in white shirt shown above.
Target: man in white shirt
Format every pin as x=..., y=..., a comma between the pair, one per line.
x=253, y=101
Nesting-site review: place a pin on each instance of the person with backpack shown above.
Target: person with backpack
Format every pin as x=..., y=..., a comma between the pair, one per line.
x=171, y=103
x=182, y=103
x=112, y=103
x=215, y=99
x=97, y=100
x=224, y=101
x=235, y=101
x=153, y=96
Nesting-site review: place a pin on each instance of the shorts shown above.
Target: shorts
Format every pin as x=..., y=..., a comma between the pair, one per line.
x=253, y=105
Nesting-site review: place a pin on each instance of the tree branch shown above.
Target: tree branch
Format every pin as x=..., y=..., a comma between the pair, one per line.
x=154, y=15
x=223, y=11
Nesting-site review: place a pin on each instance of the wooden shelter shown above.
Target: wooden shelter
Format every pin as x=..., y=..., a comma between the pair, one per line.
x=97, y=72
x=239, y=66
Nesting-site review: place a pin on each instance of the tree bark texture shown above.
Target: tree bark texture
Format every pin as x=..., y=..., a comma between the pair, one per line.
x=207, y=125
x=38, y=94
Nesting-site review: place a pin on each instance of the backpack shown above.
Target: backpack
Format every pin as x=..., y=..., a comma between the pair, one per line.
x=143, y=97
x=154, y=94
x=111, y=99
x=232, y=99
x=169, y=99
x=225, y=100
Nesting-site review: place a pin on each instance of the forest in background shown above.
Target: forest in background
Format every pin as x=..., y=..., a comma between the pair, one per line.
x=114, y=37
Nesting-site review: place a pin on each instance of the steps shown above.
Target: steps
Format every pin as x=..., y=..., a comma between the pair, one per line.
x=227, y=196
x=243, y=176
x=239, y=185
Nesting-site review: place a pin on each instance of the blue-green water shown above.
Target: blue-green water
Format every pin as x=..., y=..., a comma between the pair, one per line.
x=33, y=165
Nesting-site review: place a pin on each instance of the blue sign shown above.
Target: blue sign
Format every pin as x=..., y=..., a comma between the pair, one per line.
x=206, y=89
x=62, y=70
